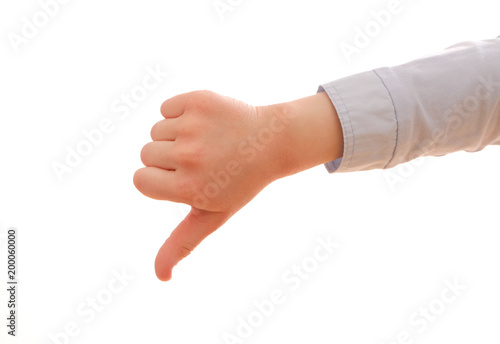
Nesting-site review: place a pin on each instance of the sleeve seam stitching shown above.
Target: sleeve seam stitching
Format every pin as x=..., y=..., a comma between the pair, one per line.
x=396, y=118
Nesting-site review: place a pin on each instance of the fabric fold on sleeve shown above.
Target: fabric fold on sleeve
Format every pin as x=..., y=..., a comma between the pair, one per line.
x=368, y=120
x=439, y=104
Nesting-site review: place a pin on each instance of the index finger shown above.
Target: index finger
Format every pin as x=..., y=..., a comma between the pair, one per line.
x=197, y=225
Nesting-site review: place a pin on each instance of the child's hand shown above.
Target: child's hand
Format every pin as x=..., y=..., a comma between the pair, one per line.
x=216, y=153
x=207, y=153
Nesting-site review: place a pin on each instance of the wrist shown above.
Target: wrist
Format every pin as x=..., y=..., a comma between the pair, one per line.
x=312, y=133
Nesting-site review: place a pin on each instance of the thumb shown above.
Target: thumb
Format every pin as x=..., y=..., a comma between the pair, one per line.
x=197, y=225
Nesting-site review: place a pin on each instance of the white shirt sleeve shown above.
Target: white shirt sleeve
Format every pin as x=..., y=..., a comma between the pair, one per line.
x=439, y=104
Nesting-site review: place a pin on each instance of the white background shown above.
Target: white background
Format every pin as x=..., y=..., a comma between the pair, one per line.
x=397, y=245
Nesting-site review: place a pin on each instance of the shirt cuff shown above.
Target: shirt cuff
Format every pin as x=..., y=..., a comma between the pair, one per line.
x=369, y=122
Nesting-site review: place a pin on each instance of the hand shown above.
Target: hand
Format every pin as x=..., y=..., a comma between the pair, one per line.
x=216, y=154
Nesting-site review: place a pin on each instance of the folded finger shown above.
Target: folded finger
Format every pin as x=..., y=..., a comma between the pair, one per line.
x=161, y=184
x=159, y=154
x=164, y=130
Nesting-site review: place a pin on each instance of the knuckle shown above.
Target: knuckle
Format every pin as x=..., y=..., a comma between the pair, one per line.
x=185, y=249
x=191, y=156
x=154, y=131
x=164, y=106
x=203, y=94
x=139, y=179
x=201, y=100
x=146, y=153
x=191, y=128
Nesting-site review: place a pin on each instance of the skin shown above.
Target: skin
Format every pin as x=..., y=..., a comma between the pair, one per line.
x=216, y=153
